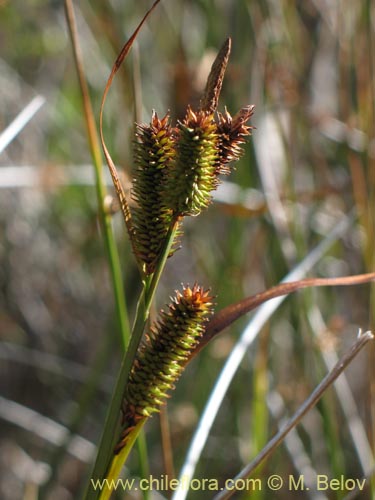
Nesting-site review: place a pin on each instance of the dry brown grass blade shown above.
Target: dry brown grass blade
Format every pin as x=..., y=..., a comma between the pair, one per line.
x=114, y=174
x=231, y=313
x=215, y=79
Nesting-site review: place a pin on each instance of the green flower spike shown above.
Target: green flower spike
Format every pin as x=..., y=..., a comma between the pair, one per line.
x=161, y=359
x=193, y=176
x=153, y=154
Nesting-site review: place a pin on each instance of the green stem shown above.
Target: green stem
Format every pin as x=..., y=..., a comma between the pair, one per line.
x=118, y=460
x=112, y=426
x=105, y=218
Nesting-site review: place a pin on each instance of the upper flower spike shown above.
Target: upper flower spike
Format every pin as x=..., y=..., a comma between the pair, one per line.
x=193, y=175
x=177, y=168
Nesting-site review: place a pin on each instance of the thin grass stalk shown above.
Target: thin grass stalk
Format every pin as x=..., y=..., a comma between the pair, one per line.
x=366, y=100
x=112, y=168
x=112, y=426
x=309, y=403
x=362, y=166
x=105, y=218
x=369, y=15
x=88, y=391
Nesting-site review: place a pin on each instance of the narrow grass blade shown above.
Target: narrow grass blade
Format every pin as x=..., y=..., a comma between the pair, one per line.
x=112, y=168
x=109, y=240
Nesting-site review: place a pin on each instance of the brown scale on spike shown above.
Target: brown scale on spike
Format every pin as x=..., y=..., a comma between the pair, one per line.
x=232, y=132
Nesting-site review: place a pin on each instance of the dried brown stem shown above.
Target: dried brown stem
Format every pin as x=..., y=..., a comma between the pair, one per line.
x=231, y=313
x=112, y=168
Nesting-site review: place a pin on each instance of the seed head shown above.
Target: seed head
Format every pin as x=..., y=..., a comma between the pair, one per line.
x=153, y=154
x=193, y=175
x=161, y=359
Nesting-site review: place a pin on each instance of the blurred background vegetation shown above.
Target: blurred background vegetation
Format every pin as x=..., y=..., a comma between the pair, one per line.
x=309, y=69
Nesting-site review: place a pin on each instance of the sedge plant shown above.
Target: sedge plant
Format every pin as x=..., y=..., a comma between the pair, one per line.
x=177, y=166
x=176, y=169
